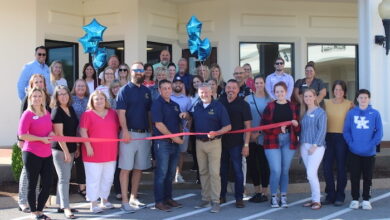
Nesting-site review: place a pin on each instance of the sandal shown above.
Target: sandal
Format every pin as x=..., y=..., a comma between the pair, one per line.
x=316, y=206
x=43, y=217
x=24, y=208
x=82, y=193
x=309, y=204
x=71, y=216
x=60, y=210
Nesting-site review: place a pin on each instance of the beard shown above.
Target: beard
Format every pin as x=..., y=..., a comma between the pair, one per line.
x=140, y=80
x=177, y=89
x=164, y=62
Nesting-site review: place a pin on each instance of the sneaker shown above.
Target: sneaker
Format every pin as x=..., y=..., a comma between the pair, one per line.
x=106, y=205
x=96, y=209
x=135, y=203
x=127, y=208
x=179, y=178
x=215, y=208
x=283, y=201
x=366, y=205
x=203, y=204
x=354, y=204
x=274, y=202
x=256, y=198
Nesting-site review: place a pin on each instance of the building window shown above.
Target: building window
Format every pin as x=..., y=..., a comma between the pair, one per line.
x=112, y=48
x=335, y=62
x=67, y=53
x=153, y=50
x=261, y=56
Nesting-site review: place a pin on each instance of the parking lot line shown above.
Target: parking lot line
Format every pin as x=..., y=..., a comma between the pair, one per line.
x=271, y=210
x=346, y=210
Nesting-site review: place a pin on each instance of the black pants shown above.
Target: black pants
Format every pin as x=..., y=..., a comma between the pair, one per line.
x=35, y=167
x=359, y=165
x=258, y=168
x=80, y=172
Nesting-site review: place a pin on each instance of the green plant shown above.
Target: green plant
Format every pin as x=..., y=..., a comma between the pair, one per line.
x=17, y=162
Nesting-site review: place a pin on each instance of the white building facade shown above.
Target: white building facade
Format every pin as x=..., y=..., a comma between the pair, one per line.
x=337, y=34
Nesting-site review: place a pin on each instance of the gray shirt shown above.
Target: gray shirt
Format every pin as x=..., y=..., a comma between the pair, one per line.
x=313, y=127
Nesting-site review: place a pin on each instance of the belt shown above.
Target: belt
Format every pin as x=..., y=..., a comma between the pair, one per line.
x=139, y=130
x=168, y=140
x=208, y=139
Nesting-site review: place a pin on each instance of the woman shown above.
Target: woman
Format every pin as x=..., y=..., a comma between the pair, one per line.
x=248, y=77
x=108, y=78
x=114, y=89
x=57, y=74
x=214, y=88
x=203, y=71
x=363, y=131
x=336, y=147
x=35, y=127
x=149, y=75
x=123, y=72
x=99, y=121
x=89, y=75
x=80, y=95
x=217, y=74
x=256, y=161
x=309, y=82
x=172, y=71
x=280, y=143
x=65, y=123
x=312, y=138
x=36, y=80
x=161, y=73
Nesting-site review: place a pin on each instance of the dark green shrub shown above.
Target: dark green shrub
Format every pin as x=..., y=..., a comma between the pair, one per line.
x=17, y=162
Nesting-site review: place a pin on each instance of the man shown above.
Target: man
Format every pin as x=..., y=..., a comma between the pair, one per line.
x=277, y=76
x=36, y=66
x=133, y=107
x=235, y=146
x=239, y=77
x=183, y=73
x=211, y=117
x=184, y=102
x=248, y=77
x=113, y=62
x=165, y=58
x=166, y=118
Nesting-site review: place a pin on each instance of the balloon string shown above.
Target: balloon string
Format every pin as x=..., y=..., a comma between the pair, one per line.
x=82, y=139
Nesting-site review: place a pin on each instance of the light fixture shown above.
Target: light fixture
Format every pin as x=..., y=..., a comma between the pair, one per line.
x=384, y=13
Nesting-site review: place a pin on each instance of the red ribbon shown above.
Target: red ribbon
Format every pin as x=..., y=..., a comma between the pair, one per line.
x=82, y=139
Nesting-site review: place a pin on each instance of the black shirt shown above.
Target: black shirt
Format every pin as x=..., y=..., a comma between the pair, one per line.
x=282, y=113
x=70, y=124
x=239, y=112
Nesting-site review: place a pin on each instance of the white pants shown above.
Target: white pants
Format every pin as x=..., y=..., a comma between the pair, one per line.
x=98, y=179
x=312, y=162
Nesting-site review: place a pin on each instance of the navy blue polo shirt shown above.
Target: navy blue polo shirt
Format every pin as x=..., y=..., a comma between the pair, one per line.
x=166, y=113
x=137, y=102
x=211, y=118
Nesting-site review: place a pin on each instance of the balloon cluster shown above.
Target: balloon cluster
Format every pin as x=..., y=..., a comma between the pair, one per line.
x=201, y=48
x=90, y=41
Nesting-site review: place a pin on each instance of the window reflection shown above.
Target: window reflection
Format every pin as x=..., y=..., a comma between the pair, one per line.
x=335, y=62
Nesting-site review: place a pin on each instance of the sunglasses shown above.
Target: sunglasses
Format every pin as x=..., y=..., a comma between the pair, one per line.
x=123, y=70
x=41, y=54
x=138, y=70
x=279, y=63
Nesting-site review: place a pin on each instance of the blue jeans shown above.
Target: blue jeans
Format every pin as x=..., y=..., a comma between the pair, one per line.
x=336, y=151
x=232, y=154
x=279, y=161
x=167, y=155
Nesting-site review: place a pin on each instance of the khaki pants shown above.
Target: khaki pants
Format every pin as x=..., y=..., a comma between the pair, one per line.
x=209, y=162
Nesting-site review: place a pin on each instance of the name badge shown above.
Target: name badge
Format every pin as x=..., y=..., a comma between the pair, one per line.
x=211, y=112
x=35, y=117
x=311, y=115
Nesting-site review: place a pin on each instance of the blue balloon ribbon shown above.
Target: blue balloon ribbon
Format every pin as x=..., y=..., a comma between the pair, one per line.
x=100, y=58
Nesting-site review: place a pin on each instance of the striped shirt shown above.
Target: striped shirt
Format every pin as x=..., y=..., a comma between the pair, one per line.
x=313, y=125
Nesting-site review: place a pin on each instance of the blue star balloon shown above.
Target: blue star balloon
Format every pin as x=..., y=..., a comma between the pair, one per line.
x=88, y=45
x=95, y=30
x=194, y=27
x=204, y=50
x=99, y=58
x=193, y=44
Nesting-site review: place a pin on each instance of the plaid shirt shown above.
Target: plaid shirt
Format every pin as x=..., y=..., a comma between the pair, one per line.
x=271, y=140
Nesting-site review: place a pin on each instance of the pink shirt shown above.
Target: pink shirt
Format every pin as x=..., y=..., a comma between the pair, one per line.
x=98, y=127
x=38, y=126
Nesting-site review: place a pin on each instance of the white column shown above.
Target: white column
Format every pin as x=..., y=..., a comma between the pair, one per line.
x=374, y=65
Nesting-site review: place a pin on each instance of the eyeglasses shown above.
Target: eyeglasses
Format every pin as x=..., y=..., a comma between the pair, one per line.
x=123, y=70
x=279, y=63
x=41, y=54
x=138, y=70
x=235, y=73
x=62, y=94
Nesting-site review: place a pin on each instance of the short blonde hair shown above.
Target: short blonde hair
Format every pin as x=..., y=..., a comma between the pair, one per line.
x=29, y=102
x=52, y=77
x=91, y=104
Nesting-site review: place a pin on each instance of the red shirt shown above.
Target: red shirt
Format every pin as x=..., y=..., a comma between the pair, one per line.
x=149, y=84
x=250, y=82
x=98, y=127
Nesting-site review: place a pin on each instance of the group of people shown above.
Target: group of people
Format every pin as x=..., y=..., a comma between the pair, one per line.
x=137, y=101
